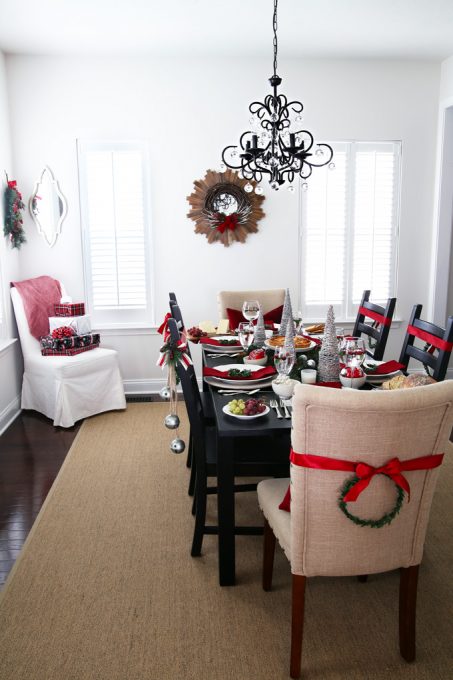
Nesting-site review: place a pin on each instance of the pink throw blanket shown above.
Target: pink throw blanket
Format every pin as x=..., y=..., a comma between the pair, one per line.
x=39, y=296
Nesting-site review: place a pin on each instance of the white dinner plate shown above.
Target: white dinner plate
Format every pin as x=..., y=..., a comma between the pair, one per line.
x=234, y=415
x=300, y=350
x=240, y=384
x=242, y=367
x=223, y=348
x=371, y=378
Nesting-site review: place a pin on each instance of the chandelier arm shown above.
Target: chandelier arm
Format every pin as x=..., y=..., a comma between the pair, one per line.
x=324, y=162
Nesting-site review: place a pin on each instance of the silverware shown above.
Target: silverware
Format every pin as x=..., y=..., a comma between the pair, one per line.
x=224, y=354
x=238, y=391
x=273, y=404
x=285, y=408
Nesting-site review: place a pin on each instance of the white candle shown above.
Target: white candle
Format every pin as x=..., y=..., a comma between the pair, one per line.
x=308, y=376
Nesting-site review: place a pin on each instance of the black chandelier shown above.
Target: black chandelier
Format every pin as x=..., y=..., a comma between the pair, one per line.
x=276, y=146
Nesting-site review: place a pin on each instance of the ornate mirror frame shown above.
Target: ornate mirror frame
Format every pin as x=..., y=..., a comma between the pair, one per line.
x=49, y=231
x=222, y=209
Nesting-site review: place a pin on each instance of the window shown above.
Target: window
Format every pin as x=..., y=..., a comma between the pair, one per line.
x=116, y=232
x=350, y=229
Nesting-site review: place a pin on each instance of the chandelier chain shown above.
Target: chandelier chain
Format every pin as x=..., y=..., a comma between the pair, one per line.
x=274, y=25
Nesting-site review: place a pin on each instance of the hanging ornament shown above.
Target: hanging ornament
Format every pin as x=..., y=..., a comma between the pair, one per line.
x=171, y=354
x=177, y=445
x=165, y=392
x=172, y=421
x=311, y=363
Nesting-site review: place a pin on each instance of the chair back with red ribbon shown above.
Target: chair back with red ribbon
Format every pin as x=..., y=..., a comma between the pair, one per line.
x=367, y=451
x=191, y=392
x=438, y=344
x=233, y=299
x=175, y=311
x=374, y=321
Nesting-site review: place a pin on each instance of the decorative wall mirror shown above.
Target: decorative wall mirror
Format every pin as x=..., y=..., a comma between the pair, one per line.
x=223, y=209
x=48, y=207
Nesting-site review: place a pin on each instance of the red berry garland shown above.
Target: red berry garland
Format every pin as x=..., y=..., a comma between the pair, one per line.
x=63, y=332
x=13, y=226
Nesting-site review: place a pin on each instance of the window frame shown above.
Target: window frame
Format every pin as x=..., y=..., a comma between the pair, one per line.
x=348, y=311
x=114, y=317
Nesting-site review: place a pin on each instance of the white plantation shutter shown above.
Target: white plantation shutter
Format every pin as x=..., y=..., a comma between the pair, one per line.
x=116, y=231
x=350, y=228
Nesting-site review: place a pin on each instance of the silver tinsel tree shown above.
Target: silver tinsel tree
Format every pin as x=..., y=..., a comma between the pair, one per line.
x=260, y=333
x=329, y=361
x=289, y=336
x=287, y=314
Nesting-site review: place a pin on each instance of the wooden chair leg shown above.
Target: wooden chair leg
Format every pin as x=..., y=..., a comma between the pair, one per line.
x=191, y=489
x=297, y=624
x=200, y=515
x=190, y=452
x=407, y=613
x=268, y=556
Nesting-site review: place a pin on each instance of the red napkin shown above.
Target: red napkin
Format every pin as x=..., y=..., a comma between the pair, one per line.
x=213, y=341
x=235, y=317
x=329, y=384
x=317, y=341
x=256, y=375
x=386, y=367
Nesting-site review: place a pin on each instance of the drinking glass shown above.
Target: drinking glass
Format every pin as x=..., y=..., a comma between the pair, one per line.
x=251, y=309
x=246, y=332
x=284, y=360
x=340, y=339
x=299, y=323
x=353, y=351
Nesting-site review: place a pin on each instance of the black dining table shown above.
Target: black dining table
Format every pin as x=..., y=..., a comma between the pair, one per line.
x=228, y=430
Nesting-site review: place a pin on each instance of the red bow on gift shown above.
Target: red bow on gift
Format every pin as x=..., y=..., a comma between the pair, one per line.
x=230, y=222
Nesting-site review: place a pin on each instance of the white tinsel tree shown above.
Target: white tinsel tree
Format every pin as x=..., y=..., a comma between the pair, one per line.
x=329, y=361
x=260, y=333
x=289, y=336
x=287, y=314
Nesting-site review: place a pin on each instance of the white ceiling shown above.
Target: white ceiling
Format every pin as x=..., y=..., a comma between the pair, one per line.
x=313, y=28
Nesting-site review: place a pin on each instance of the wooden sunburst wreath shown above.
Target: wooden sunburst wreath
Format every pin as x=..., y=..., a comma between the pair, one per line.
x=222, y=209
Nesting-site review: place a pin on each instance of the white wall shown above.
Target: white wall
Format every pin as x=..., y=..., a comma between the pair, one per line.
x=444, y=210
x=10, y=356
x=188, y=110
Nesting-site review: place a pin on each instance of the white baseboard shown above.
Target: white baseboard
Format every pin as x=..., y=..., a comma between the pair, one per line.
x=148, y=385
x=9, y=413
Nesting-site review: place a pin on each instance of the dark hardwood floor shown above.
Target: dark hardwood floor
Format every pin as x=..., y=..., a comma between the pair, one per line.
x=32, y=451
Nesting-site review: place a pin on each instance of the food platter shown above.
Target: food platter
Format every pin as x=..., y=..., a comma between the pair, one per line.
x=271, y=344
x=227, y=412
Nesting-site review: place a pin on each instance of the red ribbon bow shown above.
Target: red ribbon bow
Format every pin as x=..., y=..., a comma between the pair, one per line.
x=366, y=473
x=163, y=328
x=393, y=469
x=12, y=184
x=230, y=222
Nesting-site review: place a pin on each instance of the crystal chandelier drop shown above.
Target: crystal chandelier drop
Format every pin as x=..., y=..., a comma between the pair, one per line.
x=276, y=145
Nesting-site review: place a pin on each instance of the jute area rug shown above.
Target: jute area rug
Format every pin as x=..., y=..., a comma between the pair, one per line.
x=105, y=588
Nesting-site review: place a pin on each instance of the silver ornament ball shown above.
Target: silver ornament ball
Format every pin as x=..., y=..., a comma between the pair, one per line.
x=165, y=392
x=171, y=421
x=311, y=363
x=177, y=445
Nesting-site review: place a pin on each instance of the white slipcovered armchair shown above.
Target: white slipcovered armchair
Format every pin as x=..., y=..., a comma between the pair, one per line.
x=268, y=299
x=319, y=540
x=67, y=388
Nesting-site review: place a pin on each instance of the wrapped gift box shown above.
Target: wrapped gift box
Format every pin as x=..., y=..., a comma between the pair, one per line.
x=69, y=309
x=81, y=325
x=47, y=352
x=75, y=341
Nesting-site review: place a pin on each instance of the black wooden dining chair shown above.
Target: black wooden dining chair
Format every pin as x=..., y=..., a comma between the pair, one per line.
x=438, y=346
x=378, y=329
x=254, y=457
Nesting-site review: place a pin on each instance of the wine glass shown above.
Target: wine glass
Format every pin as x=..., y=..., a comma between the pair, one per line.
x=340, y=339
x=284, y=360
x=251, y=309
x=299, y=323
x=246, y=333
x=354, y=351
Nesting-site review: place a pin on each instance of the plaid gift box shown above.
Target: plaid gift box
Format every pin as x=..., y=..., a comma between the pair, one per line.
x=74, y=341
x=69, y=309
x=47, y=352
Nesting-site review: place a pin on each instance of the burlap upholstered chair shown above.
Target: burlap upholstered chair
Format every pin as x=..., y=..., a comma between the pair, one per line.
x=318, y=539
x=269, y=299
